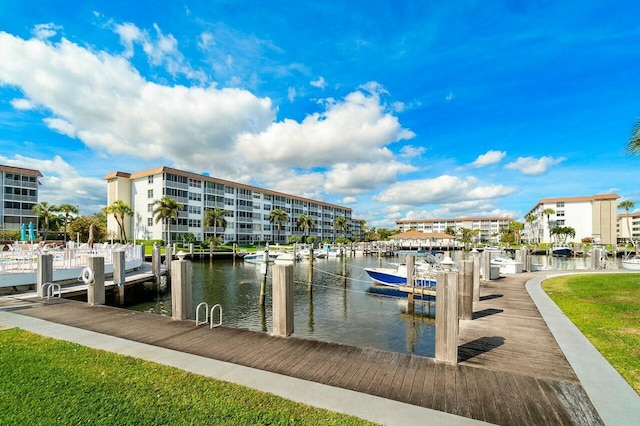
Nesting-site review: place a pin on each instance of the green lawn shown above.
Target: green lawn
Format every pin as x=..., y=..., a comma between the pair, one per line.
x=47, y=381
x=606, y=308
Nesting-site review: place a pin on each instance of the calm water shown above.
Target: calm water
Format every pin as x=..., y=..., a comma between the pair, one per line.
x=335, y=309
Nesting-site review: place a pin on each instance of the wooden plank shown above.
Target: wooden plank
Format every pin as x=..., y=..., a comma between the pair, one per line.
x=419, y=378
x=463, y=399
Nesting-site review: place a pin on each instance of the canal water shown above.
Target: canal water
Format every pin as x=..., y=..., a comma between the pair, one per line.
x=333, y=308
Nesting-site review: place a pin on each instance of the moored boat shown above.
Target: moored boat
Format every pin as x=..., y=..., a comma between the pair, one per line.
x=398, y=277
x=258, y=257
x=561, y=250
x=507, y=265
x=631, y=263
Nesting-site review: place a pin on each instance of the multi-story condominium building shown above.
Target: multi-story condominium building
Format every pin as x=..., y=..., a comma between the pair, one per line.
x=591, y=217
x=628, y=227
x=19, y=195
x=489, y=226
x=247, y=208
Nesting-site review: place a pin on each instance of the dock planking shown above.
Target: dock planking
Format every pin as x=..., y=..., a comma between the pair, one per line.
x=510, y=371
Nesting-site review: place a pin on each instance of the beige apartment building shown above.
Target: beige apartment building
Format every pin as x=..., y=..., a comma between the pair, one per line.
x=248, y=208
x=593, y=216
x=489, y=226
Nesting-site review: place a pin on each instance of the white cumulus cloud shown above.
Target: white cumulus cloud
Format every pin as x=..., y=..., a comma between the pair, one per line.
x=442, y=189
x=488, y=158
x=534, y=166
x=356, y=129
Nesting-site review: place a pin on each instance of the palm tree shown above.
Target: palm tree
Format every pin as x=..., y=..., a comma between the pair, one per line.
x=634, y=141
x=341, y=224
x=627, y=205
x=45, y=212
x=164, y=210
x=514, y=229
x=215, y=217
x=530, y=219
x=305, y=222
x=278, y=216
x=119, y=209
x=548, y=212
x=68, y=210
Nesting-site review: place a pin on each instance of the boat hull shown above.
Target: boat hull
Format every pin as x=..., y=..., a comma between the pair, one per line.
x=631, y=264
x=390, y=277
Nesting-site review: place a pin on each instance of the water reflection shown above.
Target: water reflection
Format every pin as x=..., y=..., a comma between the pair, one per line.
x=328, y=305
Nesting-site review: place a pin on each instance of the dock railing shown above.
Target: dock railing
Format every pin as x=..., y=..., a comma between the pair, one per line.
x=21, y=259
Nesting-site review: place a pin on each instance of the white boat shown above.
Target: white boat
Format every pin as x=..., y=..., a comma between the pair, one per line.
x=258, y=257
x=561, y=250
x=317, y=254
x=287, y=256
x=631, y=263
x=507, y=265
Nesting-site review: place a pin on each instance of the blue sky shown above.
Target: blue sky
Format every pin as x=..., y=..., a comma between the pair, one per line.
x=395, y=109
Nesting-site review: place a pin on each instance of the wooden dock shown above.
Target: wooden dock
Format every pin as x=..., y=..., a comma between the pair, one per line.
x=510, y=372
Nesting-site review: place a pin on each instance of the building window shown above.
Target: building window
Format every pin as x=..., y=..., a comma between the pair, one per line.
x=560, y=204
x=560, y=213
x=150, y=221
x=150, y=193
x=150, y=208
x=150, y=179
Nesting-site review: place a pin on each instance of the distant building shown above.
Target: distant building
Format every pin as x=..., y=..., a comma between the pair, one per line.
x=489, y=226
x=423, y=239
x=19, y=195
x=248, y=208
x=628, y=227
x=591, y=217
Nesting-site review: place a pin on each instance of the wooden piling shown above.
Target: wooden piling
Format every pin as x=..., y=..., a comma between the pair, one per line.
x=486, y=265
x=181, y=289
x=282, y=300
x=156, y=261
x=447, y=317
x=95, y=288
x=343, y=255
x=465, y=290
x=168, y=258
x=310, y=281
x=410, y=263
x=476, y=278
x=119, y=274
x=264, y=266
x=45, y=273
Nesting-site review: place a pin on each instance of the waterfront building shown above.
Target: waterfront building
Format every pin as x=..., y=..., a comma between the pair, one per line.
x=247, y=208
x=592, y=217
x=628, y=227
x=489, y=226
x=19, y=195
x=420, y=239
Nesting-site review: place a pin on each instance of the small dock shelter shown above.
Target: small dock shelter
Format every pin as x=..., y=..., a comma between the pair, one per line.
x=420, y=239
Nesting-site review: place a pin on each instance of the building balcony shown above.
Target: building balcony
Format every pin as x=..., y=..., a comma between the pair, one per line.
x=27, y=198
x=20, y=212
